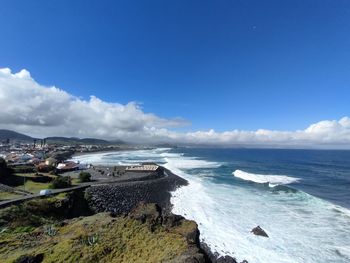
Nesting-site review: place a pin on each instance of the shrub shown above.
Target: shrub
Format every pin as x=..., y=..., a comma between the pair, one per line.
x=3, y=164
x=84, y=177
x=7, y=176
x=61, y=182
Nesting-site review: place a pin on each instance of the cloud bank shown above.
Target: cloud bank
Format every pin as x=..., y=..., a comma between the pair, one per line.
x=31, y=108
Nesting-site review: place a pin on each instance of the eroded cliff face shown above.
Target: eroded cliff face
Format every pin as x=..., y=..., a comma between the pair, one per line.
x=66, y=228
x=146, y=234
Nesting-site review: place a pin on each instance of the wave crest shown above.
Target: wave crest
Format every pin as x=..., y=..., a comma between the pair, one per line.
x=272, y=180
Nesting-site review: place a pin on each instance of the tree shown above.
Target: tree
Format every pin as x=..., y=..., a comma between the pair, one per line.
x=3, y=164
x=4, y=170
x=84, y=177
x=61, y=182
x=6, y=174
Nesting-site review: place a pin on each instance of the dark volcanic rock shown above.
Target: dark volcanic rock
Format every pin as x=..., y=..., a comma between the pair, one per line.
x=226, y=259
x=172, y=220
x=190, y=256
x=151, y=214
x=259, y=231
x=215, y=257
x=30, y=259
x=121, y=198
x=147, y=213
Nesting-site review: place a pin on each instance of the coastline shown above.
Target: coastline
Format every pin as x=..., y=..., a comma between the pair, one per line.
x=99, y=151
x=160, y=188
x=120, y=198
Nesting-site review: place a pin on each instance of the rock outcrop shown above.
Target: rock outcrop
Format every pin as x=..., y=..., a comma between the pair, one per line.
x=214, y=257
x=151, y=215
x=146, y=234
x=259, y=231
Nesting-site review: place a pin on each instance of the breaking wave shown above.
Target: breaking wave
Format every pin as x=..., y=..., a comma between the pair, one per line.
x=302, y=228
x=272, y=180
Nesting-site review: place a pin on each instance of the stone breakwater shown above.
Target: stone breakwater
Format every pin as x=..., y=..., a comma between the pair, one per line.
x=121, y=198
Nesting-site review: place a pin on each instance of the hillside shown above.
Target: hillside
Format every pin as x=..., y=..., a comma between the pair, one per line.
x=73, y=140
x=14, y=136
x=37, y=231
x=19, y=137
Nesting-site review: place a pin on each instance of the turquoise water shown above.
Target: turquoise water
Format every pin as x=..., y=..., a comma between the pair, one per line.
x=300, y=198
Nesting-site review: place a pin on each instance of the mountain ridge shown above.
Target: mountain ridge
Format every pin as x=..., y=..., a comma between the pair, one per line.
x=20, y=137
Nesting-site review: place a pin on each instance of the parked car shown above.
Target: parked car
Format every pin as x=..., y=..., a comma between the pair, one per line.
x=45, y=192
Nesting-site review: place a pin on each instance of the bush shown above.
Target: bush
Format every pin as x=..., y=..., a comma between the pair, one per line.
x=84, y=177
x=3, y=164
x=7, y=176
x=61, y=182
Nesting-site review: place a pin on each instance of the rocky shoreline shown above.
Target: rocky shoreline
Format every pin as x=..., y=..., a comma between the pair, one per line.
x=119, y=197
x=122, y=198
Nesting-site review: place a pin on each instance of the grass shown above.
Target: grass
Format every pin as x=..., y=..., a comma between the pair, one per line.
x=8, y=196
x=75, y=181
x=119, y=240
x=23, y=232
x=34, y=174
x=33, y=187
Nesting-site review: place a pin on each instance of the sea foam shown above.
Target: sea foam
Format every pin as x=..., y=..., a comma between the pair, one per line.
x=301, y=227
x=272, y=180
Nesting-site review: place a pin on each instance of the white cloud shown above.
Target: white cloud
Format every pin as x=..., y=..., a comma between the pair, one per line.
x=28, y=107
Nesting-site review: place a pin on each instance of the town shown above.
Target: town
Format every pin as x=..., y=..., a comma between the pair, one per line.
x=38, y=167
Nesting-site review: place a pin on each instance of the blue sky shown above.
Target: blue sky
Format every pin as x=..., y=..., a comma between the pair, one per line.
x=219, y=64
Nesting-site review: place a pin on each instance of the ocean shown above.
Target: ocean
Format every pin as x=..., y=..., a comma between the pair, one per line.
x=301, y=198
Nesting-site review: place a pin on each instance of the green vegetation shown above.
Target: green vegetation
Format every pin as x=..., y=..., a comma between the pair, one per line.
x=118, y=240
x=34, y=230
x=3, y=163
x=84, y=177
x=33, y=187
x=6, y=174
x=33, y=213
x=33, y=182
x=8, y=195
x=61, y=182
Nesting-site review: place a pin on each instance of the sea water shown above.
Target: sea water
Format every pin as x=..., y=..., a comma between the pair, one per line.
x=301, y=198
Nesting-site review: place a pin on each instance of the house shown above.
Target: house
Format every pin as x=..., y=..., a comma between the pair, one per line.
x=51, y=161
x=43, y=167
x=67, y=166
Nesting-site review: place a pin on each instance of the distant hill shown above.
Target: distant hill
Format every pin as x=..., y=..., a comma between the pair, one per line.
x=19, y=137
x=73, y=140
x=14, y=136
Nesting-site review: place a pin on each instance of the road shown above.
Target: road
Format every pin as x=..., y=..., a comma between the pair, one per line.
x=53, y=191
x=128, y=177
